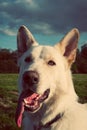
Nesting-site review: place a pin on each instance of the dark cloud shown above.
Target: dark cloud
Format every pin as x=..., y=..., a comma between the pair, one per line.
x=44, y=16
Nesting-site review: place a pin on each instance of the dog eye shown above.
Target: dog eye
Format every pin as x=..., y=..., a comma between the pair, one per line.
x=28, y=59
x=51, y=62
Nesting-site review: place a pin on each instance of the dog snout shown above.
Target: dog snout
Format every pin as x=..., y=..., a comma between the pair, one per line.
x=31, y=77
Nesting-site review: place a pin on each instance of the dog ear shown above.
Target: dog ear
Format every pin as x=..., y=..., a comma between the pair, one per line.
x=68, y=45
x=24, y=40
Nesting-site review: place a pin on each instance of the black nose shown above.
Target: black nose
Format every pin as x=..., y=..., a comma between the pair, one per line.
x=31, y=77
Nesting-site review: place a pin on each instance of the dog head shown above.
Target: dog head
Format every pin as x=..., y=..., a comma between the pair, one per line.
x=44, y=70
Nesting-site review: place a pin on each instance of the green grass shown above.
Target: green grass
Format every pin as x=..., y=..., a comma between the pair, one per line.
x=8, y=101
x=8, y=97
x=80, y=83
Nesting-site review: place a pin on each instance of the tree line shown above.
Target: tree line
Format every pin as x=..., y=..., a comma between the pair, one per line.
x=8, y=61
x=80, y=65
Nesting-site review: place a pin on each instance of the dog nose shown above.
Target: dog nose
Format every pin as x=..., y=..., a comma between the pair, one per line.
x=31, y=77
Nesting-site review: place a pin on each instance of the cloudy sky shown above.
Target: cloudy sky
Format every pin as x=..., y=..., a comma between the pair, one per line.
x=48, y=20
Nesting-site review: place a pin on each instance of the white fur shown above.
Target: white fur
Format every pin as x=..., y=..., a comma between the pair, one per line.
x=58, y=78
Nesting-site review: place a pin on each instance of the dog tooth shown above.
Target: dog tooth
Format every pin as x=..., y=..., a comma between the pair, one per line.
x=25, y=101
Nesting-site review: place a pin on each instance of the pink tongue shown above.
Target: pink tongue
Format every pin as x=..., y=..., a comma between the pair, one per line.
x=31, y=98
x=19, y=117
x=20, y=107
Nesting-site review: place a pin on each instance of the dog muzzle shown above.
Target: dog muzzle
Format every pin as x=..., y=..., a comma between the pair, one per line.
x=31, y=102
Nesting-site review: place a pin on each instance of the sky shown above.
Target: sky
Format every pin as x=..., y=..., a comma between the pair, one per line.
x=48, y=20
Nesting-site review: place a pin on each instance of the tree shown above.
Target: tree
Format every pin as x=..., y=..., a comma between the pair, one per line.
x=8, y=61
x=82, y=60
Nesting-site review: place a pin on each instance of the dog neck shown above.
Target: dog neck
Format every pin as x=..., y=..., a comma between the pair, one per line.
x=51, y=122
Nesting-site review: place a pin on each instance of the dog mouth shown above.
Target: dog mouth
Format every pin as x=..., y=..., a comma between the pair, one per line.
x=31, y=102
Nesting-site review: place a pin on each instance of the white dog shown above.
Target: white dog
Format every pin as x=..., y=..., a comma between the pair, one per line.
x=47, y=98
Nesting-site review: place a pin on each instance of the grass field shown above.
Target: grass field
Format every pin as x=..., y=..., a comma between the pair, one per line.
x=8, y=97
